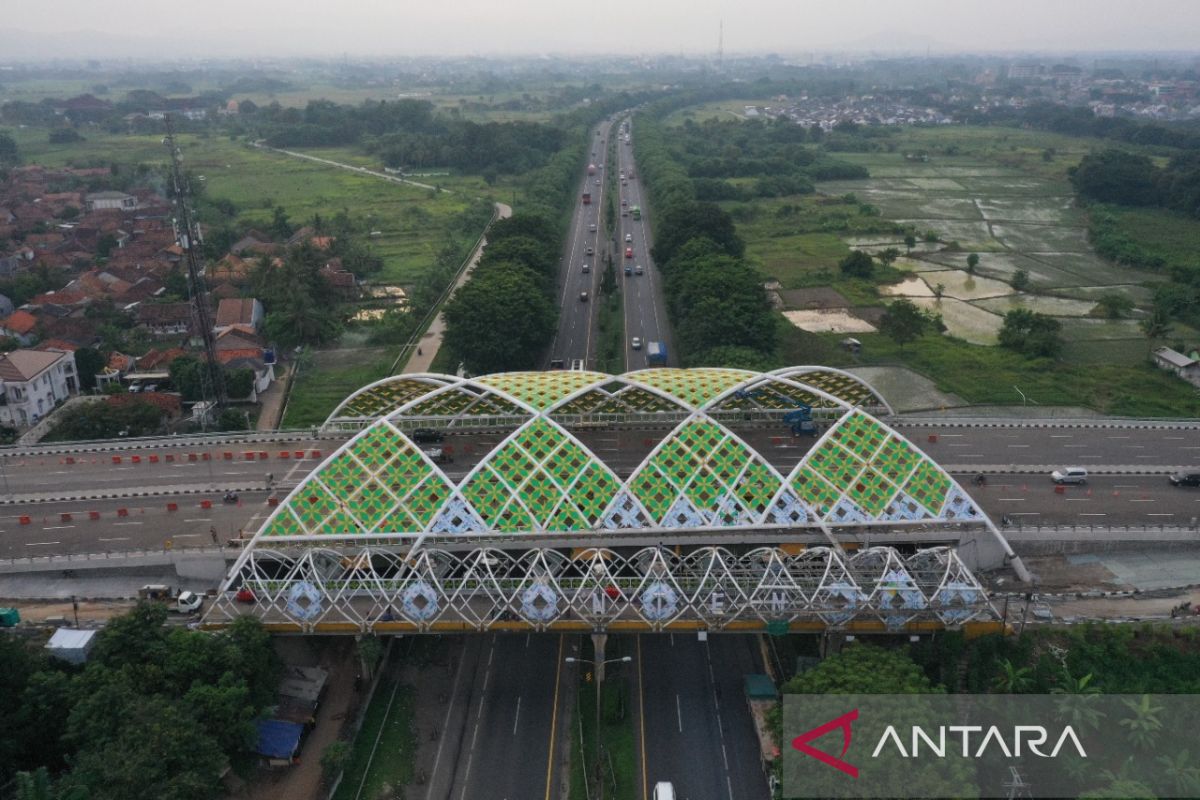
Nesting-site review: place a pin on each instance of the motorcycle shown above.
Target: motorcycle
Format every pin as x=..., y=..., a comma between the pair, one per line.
x=230, y=498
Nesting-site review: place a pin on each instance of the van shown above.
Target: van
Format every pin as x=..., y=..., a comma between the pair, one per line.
x=664, y=790
x=1069, y=475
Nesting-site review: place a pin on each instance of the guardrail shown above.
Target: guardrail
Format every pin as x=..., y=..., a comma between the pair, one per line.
x=1160, y=423
x=112, y=558
x=189, y=440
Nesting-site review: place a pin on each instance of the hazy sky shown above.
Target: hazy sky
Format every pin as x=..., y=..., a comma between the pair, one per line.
x=400, y=27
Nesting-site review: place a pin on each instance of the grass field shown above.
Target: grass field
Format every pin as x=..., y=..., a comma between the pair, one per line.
x=619, y=762
x=329, y=376
x=412, y=222
x=388, y=719
x=1166, y=234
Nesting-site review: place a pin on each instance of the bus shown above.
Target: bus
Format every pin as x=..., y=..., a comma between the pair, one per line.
x=637, y=212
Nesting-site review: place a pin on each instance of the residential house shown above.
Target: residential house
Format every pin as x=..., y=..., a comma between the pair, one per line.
x=1185, y=366
x=164, y=318
x=110, y=201
x=243, y=313
x=32, y=383
x=237, y=349
x=19, y=325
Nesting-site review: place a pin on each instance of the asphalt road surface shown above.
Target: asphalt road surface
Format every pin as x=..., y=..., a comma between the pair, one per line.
x=502, y=721
x=644, y=303
x=1105, y=500
x=696, y=726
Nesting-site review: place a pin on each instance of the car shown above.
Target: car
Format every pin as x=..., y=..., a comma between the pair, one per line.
x=586, y=269
x=577, y=365
x=624, y=212
x=597, y=181
x=636, y=344
x=637, y=270
x=623, y=182
x=591, y=251
x=188, y=603
x=629, y=252
x=664, y=790
x=437, y=455
x=1185, y=479
x=592, y=228
x=629, y=237
x=1069, y=475
x=556, y=363
x=624, y=201
x=583, y=296
x=427, y=436
x=628, y=270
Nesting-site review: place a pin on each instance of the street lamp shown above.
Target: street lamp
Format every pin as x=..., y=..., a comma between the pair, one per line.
x=597, y=670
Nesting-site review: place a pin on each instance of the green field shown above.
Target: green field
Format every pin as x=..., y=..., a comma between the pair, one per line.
x=387, y=733
x=1166, y=234
x=329, y=376
x=412, y=222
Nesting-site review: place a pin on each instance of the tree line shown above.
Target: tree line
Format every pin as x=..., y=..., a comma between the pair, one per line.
x=158, y=711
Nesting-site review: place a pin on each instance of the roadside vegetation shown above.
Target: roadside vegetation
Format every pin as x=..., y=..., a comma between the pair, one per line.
x=158, y=711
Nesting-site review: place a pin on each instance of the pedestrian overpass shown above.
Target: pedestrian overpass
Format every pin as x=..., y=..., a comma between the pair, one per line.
x=657, y=500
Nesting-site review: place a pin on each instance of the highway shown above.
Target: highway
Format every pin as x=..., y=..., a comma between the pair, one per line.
x=575, y=338
x=696, y=727
x=501, y=720
x=644, y=303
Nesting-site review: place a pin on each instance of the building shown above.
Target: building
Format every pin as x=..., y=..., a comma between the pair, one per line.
x=109, y=201
x=243, y=313
x=19, y=325
x=32, y=383
x=1185, y=367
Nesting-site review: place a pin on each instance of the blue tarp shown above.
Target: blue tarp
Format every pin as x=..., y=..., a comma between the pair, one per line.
x=277, y=738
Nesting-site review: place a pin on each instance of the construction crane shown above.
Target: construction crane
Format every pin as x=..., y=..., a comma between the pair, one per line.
x=189, y=237
x=800, y=420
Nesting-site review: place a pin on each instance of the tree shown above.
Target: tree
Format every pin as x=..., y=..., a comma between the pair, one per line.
x=903, y=322
x=863, y=669
x=938, y=290
x=8, y=150
x=280, y=227
x=186, y=374
x=1020, y=280
x=1157, y=324
x=910, y=241
x=539, y=256
x=333, y=759
x=858, y=264
x=1013, y=679
x=239, y=382
x=1114, y=305
x=888, y=256
x=972, y=262
x=500, y=320
x=231, y=419
x=1116, y=176
x=88, y=363
x=1030, y=333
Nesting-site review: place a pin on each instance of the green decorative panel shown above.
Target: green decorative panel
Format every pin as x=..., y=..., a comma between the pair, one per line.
x=594, y=490
x=567, y=462
x=860, y=435
x=283, y=524
x=896, y=460
x=835, y=464
x=343, y=474
x=636, y=399
x=928, y=486
x=815, y=490
x=514, y=519
x=399, y=521
x=676, y=460
x=587, y=403
x=542, y=389
x=655, y=490
x=566, y=518
x=488, y=494
x=693, y=386
x=387, y=397
x=313, y=504
x=403, y=473
x=427, y=498
x=871, y=492
x=843, y=387
x=757, y=486
x=372, y=504
x=706, y=490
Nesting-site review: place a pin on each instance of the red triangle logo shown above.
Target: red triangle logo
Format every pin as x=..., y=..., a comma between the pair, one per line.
x=843, y=722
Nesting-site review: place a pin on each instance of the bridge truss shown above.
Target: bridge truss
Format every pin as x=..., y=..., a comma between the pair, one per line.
x=381, y=589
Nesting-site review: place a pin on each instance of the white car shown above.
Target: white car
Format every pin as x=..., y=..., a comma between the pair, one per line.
x=664, y=790
x=592, y=228
x=1069, y=475
x=636, y=344
x=586, y=269
x=188, y=603
x=637, y=270
x=629, y=237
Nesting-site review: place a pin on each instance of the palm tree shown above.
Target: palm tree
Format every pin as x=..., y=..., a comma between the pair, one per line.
x=1144, y=725
x=1013, y=679
x=1182, y=772
x=1070, y=685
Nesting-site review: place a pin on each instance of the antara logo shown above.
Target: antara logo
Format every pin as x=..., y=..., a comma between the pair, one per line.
x=801, y=742
x=1023, y=739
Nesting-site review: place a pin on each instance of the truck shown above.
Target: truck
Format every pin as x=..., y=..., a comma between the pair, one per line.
x=656, y=353
x=587, y=198
x=184, y=602
x=636, y=211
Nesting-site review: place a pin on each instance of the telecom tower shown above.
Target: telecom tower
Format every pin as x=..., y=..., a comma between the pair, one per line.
x=187, y=233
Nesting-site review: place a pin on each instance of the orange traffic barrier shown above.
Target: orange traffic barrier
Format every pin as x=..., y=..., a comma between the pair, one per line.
x=299, y=454
x=315, y=454
x=191, y=456
x=170, y=456
x=206, y=456
x=206, y=503
x=933, y=437
x=65, y=516
x=272, y=501
x=249, y=455
x=284, y=454
x=93, y=515
x=172, y=506
x=70, y=459
x=153, y=459
x=25, y=520
x=1060, y=489
x=122, y=512
x=262, y=454
x=228, y=456
x=116, y=459
x=136, y=459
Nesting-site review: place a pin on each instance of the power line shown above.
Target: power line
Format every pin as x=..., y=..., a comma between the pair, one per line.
x=189, y=237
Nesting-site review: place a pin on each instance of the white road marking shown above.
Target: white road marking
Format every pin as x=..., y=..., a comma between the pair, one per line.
x=1018, y=445
x=1024, y=513
x=517, y=718
x=679, y=712
x=58, y=528
x=1160, y=515
x=199, y=519
x=40, y=544
x=1011, y=499
x=117, y=538
x=1094, y=514
x=185, y=535
x=126, y=523
x=1141, y=501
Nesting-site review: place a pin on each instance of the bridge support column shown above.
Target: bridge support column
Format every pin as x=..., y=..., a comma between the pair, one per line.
x=599, y=640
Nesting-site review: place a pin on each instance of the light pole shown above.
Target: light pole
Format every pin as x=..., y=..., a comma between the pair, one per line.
x=597, y=670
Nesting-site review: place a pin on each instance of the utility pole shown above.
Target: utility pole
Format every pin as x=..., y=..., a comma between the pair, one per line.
x=187, y=233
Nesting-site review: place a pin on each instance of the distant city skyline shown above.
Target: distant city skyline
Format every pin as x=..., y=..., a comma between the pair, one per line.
x=141, y=30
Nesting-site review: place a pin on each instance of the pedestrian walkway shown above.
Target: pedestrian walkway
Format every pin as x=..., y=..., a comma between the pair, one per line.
x=272, y=400
x=422, y=357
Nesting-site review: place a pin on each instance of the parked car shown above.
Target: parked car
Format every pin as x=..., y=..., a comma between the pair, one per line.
x=1069, y=475
x=1185, y=479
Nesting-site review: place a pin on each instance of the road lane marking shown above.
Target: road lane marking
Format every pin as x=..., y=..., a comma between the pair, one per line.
x=1118, y=437
x=679, y=712
x=1075, y=445
x=199, y=519
x=1018, y=445
x=58, y=528
x=40, y=544
x=126, y=523
x=1062, y=436
x=1079, y=499
x=1011, y=499
x=641, y=716
x=1093, y=514
x=517, y=718
x=1024, y=513
x=185, y=535
x=1141, y=501
x=1160, y=515
x=446, y=722
x=116, y=538
x=554, y=718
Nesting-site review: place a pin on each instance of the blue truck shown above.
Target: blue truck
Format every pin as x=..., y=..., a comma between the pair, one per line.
x=656, y=353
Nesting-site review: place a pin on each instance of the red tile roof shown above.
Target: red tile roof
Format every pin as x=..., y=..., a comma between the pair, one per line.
x=20, y=322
